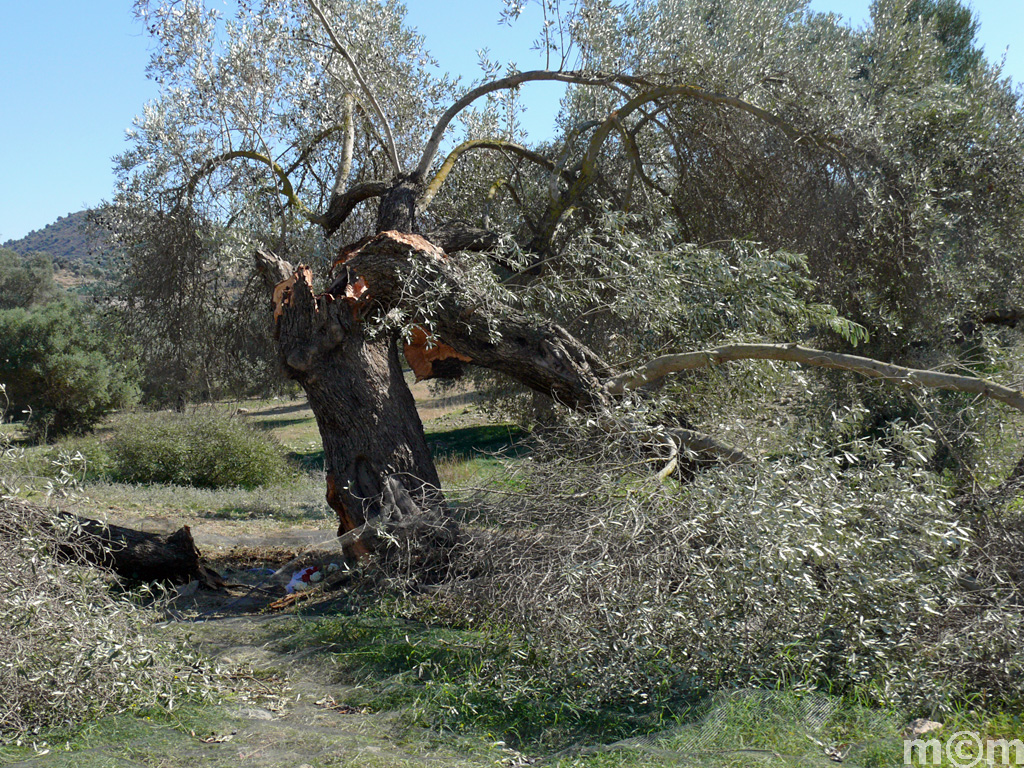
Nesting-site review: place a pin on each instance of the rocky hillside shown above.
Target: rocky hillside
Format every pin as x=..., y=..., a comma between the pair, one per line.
x=78, y=248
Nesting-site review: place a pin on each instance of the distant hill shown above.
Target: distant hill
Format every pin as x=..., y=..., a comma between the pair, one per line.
x=78, y=247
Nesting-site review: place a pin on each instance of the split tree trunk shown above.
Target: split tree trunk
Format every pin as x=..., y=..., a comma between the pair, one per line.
x=381, y=479
x=380, y=474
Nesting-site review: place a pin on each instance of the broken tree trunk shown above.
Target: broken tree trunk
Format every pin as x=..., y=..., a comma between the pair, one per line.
x=138, y=555
x=131, y=554
x=380, y=474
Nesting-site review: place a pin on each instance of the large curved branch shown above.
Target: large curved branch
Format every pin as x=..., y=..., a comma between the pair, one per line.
x=435, y=183
x=504, y=84
x=286, y=185
x=581, y=78
x=340, y=48
x=874, y=369
x=341, y=206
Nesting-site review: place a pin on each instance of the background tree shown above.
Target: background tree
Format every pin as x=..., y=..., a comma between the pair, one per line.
x=62, y=370
x=198, y=325
x=26, y=281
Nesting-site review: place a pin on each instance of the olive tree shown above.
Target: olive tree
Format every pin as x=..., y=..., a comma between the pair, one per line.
x=704, y=145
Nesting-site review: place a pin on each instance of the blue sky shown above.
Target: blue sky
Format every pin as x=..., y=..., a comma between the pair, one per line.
x=73, y=79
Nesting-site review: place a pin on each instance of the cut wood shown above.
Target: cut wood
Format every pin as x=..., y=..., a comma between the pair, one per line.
x=131, y=554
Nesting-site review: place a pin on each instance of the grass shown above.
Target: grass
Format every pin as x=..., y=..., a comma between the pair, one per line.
x=467, y=686
x=481, y=686
x=146, y=736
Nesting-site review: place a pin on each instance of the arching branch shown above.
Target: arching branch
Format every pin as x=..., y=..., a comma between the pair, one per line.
x=519, y=150
x=865, y=366
x=341, y=206
x=504, y=84
x=348, y=125
x=582, y=78
x=286, y=188
x=340, y=48
x=308, y=149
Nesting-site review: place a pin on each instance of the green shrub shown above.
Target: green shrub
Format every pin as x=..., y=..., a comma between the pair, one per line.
x=59, y=368
x=204, y=450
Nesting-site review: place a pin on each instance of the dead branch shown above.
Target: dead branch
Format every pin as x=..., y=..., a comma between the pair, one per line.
x=865, y=366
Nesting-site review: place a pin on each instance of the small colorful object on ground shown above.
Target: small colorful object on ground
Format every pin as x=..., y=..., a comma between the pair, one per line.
x=309, y=577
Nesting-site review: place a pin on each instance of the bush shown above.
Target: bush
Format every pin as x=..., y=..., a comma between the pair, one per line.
x=70, y=650
x=26, y=280
x=204, y=450
x=59, y=367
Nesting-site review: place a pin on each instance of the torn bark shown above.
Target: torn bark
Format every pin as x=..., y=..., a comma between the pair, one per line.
x=542, y=356
x=372, y=436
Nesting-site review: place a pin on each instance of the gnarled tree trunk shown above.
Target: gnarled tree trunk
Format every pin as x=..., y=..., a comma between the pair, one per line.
x=380, y=474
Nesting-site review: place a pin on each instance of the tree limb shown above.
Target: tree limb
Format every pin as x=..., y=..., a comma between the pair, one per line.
x=507, y=146
x=347, y=150
x=874, y=369
x=581, y=78
x=286, y=185
x=698, y=442
x=455, y=236
x=272, y=268
x=340, y=48
x=341, y=206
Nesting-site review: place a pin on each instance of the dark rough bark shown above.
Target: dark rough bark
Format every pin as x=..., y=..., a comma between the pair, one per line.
x=131, y=554
x=1007, y=317
x=458, y=236
x=142, y=556
x=376, y=457
x=398, y=205
x=342, y=205
x=543, y=356
x=380, y=474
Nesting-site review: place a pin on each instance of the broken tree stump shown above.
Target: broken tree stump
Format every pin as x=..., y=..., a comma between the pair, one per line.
x=131, y=554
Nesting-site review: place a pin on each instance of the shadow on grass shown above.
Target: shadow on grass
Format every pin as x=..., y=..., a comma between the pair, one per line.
x=269, y=424
x=467, y=443
x=461, y=444
x=278, y=409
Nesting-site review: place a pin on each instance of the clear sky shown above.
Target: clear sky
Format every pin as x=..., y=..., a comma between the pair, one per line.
x=73, y=77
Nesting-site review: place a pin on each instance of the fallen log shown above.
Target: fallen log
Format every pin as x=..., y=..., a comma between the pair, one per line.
x=141, y=556
x=132, y=554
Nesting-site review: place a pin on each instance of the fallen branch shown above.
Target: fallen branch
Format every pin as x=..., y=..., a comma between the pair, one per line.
x=865, y=366
x=131, y=554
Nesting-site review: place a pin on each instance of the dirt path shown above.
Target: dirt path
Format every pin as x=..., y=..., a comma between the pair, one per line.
x=289, y=709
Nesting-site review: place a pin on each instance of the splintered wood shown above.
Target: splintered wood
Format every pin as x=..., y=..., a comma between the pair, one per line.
x=283, y=290
x=423, y=350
